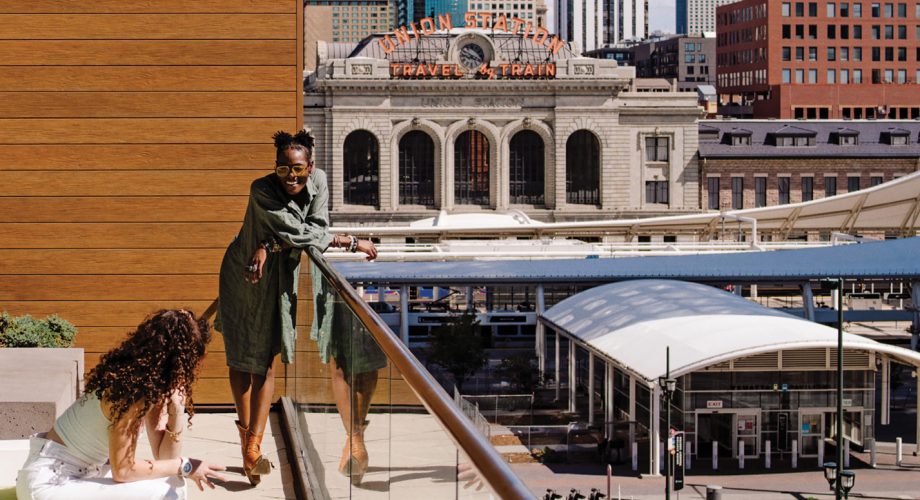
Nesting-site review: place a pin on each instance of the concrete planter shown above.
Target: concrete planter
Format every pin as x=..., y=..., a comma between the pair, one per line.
x=38, y=384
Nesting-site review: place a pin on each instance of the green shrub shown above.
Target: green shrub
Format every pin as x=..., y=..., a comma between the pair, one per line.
x=26, y=331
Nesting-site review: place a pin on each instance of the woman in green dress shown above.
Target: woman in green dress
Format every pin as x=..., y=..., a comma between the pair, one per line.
x=258, y=299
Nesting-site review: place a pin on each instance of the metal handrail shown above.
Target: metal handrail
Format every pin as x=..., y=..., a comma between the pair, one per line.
x=488, y=463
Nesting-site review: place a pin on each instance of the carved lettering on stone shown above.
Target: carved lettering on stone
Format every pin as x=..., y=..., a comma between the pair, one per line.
x=584, y=69
x=478, y=102
x=362, y=69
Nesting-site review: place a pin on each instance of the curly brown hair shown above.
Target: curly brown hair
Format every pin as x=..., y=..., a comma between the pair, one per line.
x=163, y=354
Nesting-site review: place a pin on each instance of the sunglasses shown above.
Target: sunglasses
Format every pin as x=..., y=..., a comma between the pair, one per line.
x=284, y=170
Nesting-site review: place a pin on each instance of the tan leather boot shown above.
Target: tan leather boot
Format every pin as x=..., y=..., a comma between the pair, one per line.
x=255, y=464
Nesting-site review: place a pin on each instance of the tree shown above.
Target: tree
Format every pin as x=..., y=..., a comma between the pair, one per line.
x=456, y=347
x=521, y=371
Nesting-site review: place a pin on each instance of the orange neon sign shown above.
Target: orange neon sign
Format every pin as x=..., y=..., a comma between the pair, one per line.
x=426, y=26
x=421, y=70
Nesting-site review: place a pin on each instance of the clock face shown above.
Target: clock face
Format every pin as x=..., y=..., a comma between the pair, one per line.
x=472, y=56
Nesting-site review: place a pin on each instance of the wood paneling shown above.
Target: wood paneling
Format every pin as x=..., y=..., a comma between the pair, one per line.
x=148, y=104
x=146, y=26
x=145, y=52
x=146, y=6
x=214, y=364
x=319, y=391
x=108, y=287
x=102, y=339
x=209, y=391
x=123, y=262
x=126, y=314
x=198, y=183
x=174, y=235
x=309, y=365
x=147, y=78
x=141, y=130
x=56, y=157
x=126, y=209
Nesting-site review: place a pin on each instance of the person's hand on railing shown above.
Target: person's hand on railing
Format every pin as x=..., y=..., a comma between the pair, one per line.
x=367, y=246
x=468, y=475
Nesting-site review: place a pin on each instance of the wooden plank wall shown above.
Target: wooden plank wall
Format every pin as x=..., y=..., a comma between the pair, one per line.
x=130, y=131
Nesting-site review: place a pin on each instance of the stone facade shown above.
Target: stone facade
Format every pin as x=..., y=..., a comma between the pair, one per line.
x=361, y=93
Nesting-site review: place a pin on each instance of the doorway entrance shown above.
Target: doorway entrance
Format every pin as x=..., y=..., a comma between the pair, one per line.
x=821, y=424
x=728, y=428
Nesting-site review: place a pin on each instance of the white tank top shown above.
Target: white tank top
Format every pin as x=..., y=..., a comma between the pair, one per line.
x=85, y=430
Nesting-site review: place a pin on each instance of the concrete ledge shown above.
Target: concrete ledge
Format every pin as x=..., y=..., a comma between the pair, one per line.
x=38, y=385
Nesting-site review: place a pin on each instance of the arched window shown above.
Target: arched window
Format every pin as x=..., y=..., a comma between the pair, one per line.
x=360, y=167
x=582, y=169
x=526, y=161
x=471, y=169
x=416, y=169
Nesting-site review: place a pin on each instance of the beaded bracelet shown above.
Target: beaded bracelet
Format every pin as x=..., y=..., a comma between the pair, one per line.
x=353, y=247
x=276, y=244
x=174, y=435
x=264, y=244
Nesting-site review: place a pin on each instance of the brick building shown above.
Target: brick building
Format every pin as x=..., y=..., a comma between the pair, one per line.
x=822, y=60
x=687, y=60
x=757, y=163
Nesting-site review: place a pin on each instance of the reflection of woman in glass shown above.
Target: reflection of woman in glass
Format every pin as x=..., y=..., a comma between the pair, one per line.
x=258, y=297
x=147, y=381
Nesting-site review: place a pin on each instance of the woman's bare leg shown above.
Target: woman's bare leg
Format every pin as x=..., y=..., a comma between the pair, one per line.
x=241, y=387
x=260, y=402
x=352, y=397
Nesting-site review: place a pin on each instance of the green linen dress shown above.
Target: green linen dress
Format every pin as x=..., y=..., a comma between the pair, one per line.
x=258, y=320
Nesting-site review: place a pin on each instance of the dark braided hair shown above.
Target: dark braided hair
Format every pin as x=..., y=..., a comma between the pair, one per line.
x=164, y=354
x=301, y=140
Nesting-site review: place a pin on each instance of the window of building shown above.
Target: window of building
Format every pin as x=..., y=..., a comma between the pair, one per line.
x=808, y=188
x=876, y=32
x=787, y=75
x=844, y=53
x=689, y=47
x=526, y=161
x=857, y=53
x=787, y=32
x=848, y=140
x=799, y=31
x=800, y=53
x=857, y=78
x=876, y=54
x=902, y=54
x=857, y=10
x=783, y=188
x=656, y=148
x=876, y=10
x=800, y=9
x=713, y=193
x=800, y=76
x=889, y=53
x=844, y=32
x=857, y=32
x=831, y=76
x=741, y=140
x=831, y=53
x=844, y=10
x=471, y=169
x=786, y=9
x=812, y=31
x=813, y=76
x=902, y=10
x=760, y=192
x=656, y=192
x=582, y=173
x=812, y=53
x=889, y=10
x=690, y=70
x=787, y=56
x=874, y=181
x=902, y=32
x=852, y=184
x=844, y=76
x=889, y=32
x=831, y=31
x=360, y=168
x=830, y=186
x=831, y=9
x=689, y=58
x=737, y=193
x=812, y=9
x=898, y=139
x=702, y=58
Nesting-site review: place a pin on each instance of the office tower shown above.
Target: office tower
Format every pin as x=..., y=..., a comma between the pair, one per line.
x=595, y=23
x=695, y=17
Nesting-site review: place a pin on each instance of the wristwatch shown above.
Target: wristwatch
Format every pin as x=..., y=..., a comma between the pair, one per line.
x=185, y=467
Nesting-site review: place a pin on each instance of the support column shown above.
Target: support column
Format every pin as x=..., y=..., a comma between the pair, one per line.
x=885, y=417
x=404, y=314
x=915, y=299
x=737, y=289
x=381, y=292
x=808, y=301
x=541, y=332
x=609, y=408
x=558, y=379
x=753, y=292
x=632, y=411
x=469, y=298
x=590, y=387
x=655, y=429
x=572, y=374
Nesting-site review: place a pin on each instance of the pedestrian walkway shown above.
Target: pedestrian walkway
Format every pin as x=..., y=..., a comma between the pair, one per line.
x=213, y=437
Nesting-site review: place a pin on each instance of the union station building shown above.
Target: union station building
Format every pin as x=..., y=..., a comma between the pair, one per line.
x=475, y=120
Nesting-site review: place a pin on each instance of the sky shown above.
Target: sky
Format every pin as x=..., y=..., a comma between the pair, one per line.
x=661, y=15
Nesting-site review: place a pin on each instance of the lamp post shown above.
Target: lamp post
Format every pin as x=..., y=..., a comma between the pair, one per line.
x=668, y=386
x=838, y=466
x=844, y=481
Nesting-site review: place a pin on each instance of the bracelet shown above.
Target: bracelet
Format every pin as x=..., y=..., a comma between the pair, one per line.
x=174, y=435
x=264, y=244
x=276, y=244
x=353, y=247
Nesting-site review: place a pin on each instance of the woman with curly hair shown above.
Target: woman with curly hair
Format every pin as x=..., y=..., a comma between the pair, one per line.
x=257, y=307
x=147, y=380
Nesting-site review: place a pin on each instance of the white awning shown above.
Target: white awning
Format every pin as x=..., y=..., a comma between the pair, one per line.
x=633, y=322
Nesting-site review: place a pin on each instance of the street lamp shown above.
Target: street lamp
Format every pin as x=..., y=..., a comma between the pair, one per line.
x=846, y=481
x=668, y=386
x=837, y=283
x=830, y=473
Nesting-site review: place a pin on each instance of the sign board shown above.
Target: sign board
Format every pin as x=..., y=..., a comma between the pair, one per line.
x=783, y=427
x=847, y=402
x=785, y=387
x=713, y=404
x=680, y=459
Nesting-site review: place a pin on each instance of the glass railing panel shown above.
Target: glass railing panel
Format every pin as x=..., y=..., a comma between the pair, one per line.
x=348, y=391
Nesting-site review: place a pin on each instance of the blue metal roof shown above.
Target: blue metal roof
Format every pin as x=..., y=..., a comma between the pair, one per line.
x=896, y=259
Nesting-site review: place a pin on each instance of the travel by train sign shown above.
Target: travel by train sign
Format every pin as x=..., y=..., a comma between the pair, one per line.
x=473, y=57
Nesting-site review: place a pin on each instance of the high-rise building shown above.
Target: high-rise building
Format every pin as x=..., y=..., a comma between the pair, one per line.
x=341, y=21
x=595, y=23
x=823, y=60
x=695, y=17
x=533, y=11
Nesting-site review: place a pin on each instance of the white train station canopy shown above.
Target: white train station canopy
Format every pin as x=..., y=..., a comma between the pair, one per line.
x=632, y=323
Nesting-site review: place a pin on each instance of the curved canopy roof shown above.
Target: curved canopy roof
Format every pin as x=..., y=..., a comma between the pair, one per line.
x=632, y=323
